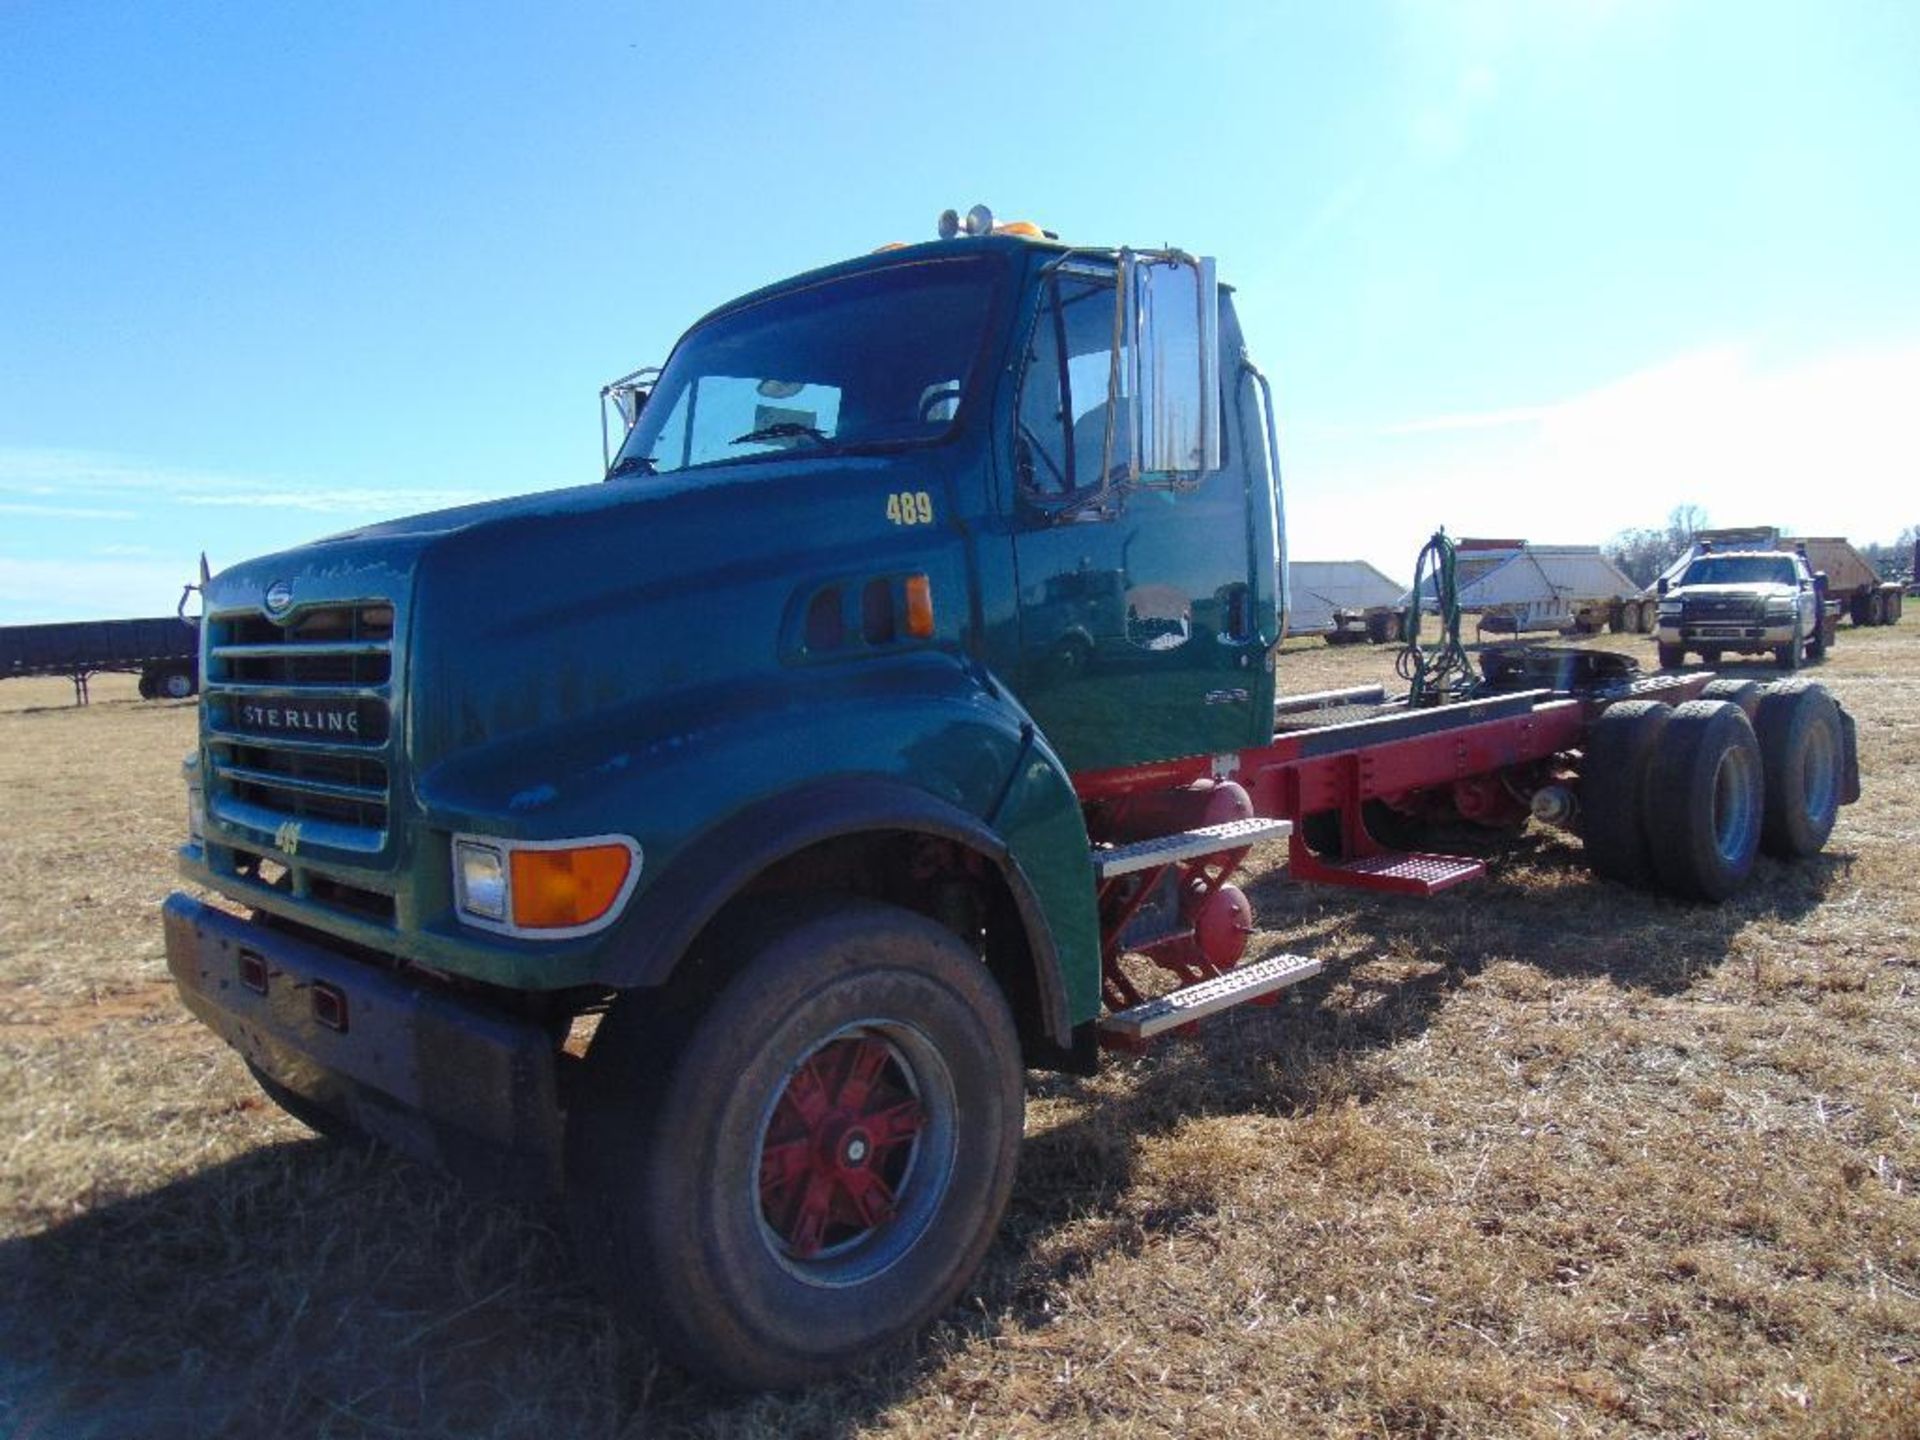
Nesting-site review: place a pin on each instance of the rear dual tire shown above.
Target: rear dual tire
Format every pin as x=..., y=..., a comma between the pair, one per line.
x=1613, y=791
x=1704, y=796
x=1744, y=693
x=1671, y=798
x=1803, y=747
x=1681, y=800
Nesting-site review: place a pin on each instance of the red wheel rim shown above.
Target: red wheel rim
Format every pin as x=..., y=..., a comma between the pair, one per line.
x=839, y=1148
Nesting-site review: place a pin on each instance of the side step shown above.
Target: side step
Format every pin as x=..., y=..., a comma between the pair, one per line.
x=1187, y=845
x=1130, y=1028
x=1398, y=873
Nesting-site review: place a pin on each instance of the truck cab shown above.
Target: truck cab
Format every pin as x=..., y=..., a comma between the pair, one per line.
x=889, y=553
x=1742, y=602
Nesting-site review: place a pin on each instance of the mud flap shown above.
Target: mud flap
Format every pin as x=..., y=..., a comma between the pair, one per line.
x=1850, y=759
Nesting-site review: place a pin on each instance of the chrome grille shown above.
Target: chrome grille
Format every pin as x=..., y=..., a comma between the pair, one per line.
x=1728, y=610
x=299, y=723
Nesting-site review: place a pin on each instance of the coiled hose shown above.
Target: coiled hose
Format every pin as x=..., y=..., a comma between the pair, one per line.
x=1447, y=671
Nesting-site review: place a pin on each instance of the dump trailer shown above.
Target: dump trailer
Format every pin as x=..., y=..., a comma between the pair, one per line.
x=1851, y=579
x=1514, y=586
x=1344, y=601
x=163, y=652
x=716, y=846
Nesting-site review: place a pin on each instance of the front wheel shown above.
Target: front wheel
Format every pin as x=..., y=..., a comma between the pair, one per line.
x=1672, y=657
x=787, y=1180
x=1789, y=655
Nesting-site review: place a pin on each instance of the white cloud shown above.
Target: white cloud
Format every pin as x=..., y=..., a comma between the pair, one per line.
x=62, y=512
x=1826, y=445
x=74, y=473
x=38, y=590
x=332, y=502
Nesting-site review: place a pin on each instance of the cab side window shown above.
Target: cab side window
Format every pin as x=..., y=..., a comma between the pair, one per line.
x=1063, y=409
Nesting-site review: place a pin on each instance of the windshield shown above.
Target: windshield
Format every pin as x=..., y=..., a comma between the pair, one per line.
x=879, y=358
x=1740, y=570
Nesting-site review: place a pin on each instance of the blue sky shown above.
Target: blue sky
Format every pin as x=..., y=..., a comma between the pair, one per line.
x=268, y=271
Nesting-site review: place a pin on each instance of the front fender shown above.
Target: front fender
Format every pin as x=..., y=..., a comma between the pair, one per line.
x=921, y=744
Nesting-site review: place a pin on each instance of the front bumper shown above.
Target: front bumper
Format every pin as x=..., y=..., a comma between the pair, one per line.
x=443, y=1079
x=1724, y=635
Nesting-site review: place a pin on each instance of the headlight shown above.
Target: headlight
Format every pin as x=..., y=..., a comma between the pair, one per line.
x=480, y=880
x=545, y=889
x=1780, y=609
x=1670, y=609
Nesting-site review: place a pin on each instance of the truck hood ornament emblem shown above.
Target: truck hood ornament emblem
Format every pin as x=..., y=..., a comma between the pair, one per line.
x=279, y=598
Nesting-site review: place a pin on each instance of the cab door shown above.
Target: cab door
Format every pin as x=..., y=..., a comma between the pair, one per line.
x=1137, y=631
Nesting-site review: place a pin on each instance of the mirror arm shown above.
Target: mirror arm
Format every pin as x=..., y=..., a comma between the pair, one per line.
x=1123, y=282
x=1273, y=435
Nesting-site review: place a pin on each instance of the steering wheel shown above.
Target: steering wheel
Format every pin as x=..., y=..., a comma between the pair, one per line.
x=933, y=399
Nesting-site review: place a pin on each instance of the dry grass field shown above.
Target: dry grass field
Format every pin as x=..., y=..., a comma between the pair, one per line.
x=1540, y=1157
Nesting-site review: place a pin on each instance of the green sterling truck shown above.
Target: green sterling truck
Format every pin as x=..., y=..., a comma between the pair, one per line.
x=716, y=845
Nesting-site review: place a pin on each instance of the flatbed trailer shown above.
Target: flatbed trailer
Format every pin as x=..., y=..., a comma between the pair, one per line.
x=163, y=651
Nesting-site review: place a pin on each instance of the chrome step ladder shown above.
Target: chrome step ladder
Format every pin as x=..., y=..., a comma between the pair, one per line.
x=1132, y=1028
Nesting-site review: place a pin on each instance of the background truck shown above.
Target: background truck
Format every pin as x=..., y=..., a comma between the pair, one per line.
x=1851, y=580
x=1744, y=601
x=716, y=846
x=163, y=652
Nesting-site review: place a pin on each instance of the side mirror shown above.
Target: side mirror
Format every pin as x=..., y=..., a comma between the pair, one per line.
x=1169, y=332
x=628, y=397
x=1660, y=586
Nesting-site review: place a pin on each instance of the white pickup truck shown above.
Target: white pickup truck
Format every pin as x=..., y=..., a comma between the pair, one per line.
x=1747, y=602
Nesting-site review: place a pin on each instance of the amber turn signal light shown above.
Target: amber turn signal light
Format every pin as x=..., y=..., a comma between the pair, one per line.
x=561, y=889
x=919, y=607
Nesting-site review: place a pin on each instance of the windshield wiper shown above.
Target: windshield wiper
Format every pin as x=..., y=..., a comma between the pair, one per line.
x=785, y=430
x=628, y=464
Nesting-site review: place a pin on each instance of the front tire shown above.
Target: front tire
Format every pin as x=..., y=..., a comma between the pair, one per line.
x=1789, y=655
x=791, y=1178
x=1672, y=657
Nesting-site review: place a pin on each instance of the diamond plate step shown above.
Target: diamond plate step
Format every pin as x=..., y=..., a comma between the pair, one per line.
x=1403, y=874
x=1139, y=1023
x=1187, y=845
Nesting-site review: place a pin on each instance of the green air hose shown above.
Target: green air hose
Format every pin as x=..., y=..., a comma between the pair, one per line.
x=1433, y=677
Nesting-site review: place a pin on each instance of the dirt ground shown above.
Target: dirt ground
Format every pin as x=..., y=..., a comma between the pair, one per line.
x=1543, y=1156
